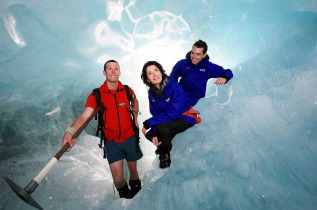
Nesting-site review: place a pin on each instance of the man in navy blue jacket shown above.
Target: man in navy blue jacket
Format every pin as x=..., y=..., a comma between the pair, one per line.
x=195, y=71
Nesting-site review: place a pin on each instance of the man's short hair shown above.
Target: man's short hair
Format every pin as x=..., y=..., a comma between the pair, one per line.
x=110, y=61
x=201, y=44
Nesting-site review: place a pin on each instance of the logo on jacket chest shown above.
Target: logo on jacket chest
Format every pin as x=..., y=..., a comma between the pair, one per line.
x=167, y=99
x=201, y=70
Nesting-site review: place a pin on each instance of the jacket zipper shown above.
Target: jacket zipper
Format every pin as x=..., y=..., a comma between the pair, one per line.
x=115, y=98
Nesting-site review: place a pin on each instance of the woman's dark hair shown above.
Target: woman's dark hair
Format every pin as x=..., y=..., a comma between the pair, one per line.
x=150, y=63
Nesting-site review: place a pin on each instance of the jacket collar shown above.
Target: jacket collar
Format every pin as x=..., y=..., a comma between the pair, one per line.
x=160, y=92
x=105, y=88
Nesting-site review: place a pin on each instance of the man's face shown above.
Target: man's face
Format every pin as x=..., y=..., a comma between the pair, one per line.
x=112, y=72
x=197, y=55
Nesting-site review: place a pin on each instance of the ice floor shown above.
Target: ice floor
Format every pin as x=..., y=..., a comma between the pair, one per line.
x=256, y=147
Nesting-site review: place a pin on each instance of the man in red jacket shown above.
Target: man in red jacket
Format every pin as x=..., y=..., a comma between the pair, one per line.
x=118, y=129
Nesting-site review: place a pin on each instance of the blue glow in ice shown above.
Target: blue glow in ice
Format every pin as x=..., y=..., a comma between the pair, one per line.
x=256, y=147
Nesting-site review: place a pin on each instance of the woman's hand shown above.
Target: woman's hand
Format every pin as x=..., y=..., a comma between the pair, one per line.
x=155, y=141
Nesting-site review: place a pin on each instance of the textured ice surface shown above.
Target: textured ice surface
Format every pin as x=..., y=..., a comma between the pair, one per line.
x=256, y=147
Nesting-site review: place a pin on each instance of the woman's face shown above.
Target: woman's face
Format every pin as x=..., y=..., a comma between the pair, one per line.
x=154, y=76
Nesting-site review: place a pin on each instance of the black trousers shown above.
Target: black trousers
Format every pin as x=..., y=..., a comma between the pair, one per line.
x=167, y=131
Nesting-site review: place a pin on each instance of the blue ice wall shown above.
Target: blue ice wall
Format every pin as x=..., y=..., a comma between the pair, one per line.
x=256, y=147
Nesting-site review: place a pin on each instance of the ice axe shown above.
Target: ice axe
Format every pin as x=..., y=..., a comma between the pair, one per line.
x=25, y=194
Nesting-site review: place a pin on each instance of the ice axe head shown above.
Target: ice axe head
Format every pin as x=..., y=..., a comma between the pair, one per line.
x=24, y=194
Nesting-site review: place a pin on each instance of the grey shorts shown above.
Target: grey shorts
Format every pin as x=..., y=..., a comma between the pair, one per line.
x=119, y=151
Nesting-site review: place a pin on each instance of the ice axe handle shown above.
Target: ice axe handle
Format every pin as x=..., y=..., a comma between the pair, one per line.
x=62, y=151
x=76, y=134
x=66, y=146
x=58, y=155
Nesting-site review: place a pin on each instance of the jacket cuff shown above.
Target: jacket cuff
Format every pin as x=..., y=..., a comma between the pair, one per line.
x=146, y=124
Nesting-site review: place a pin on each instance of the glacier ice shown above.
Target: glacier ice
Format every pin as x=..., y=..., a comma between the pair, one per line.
x=256, y=147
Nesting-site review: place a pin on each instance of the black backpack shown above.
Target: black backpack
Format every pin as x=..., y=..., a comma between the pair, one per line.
x=100, y=125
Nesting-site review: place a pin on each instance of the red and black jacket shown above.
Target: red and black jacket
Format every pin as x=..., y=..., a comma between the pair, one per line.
x=118, y=126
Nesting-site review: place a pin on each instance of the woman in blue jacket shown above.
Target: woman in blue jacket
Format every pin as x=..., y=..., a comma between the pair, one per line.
x=167, y=102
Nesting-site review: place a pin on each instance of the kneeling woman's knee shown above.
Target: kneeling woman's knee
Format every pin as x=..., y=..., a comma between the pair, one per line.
x=164, y=130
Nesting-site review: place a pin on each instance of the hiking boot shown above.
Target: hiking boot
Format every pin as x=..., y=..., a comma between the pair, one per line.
x=165, y=161
x=124, y=192
x=135, y=186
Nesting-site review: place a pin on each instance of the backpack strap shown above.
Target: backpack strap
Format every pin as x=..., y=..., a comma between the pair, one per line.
x=99, y=116
x=135, y=128
x=127, y=90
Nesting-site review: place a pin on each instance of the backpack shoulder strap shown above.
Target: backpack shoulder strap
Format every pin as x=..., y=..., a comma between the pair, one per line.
x=100, y=124
x=96, y=93
x=127, y=90
x=135, y=128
